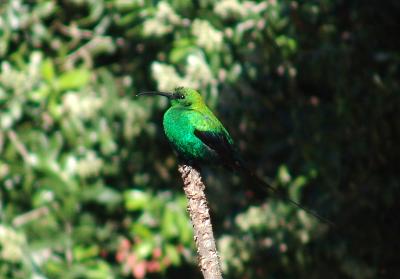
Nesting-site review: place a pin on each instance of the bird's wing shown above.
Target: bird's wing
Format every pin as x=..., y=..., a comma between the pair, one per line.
x=219, y=142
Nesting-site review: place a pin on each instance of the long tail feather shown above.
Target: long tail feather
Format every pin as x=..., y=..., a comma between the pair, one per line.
x=268, y=188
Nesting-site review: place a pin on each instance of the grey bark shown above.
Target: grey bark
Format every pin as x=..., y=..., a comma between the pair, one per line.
x=199, y=214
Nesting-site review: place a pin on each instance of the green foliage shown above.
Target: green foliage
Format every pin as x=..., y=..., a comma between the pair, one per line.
x=89, y=188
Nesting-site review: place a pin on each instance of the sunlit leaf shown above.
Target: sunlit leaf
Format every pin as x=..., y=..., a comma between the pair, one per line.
x=74, y=79
x=136, y=199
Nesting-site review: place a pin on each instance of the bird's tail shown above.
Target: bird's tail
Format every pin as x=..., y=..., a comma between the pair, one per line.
x=268, y=188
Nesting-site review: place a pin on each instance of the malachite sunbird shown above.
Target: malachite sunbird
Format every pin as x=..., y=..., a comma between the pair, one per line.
x=199, y=137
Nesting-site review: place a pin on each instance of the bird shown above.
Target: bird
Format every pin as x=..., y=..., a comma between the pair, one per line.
x=199, y=137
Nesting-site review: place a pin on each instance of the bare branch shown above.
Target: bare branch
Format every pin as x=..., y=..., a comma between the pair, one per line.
x=200, y=217
x=30, y=216
x=34, y=215
x=19, y=145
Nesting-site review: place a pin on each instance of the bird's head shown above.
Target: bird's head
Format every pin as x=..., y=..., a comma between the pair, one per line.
x=181, y=96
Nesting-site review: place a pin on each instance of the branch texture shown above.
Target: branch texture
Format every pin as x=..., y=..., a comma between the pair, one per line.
x=200, y=217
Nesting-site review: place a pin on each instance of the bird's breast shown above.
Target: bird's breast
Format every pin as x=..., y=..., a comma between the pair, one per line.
x=179, y=127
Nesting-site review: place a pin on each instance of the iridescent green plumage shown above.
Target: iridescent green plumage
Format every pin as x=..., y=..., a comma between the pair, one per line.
x=199, y=137
x=191, y=127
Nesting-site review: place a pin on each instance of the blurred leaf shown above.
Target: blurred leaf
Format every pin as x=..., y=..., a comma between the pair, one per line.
x=136, y=200
x=74, y=79
x=83, y=253
x=143, y=249
x=141, y=231
x=296, y=187
x=103, y=195
x=48, y=71
x=284, y=175
x=169, y=226
x=172, y=254
x=182, y=48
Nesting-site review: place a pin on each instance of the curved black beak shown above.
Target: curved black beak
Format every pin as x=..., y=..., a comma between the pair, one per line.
x=153, y=93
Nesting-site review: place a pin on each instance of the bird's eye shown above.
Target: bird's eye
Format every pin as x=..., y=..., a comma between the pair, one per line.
x=176, y=95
